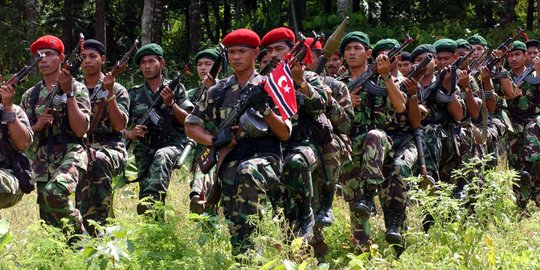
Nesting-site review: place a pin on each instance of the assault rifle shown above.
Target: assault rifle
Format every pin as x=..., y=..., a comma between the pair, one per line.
x=524, y=77
x=371, y=73
x=72, y=64
x=152, y=114
x=102, y=94
x=213, y=71
x=23, y=73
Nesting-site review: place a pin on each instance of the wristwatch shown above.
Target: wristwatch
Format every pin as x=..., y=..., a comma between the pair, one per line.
x=7, y=117
x=266, y=111
x=386, y=77
x=70, y=94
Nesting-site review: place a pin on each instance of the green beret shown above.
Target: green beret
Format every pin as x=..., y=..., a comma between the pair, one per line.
x=211, y=54
x=148, y=49
x=354, y=36
x=384, y=44
x=461, y=43
x=445, y=45
x=477, y=39
x=420, y=49
x=518, y=45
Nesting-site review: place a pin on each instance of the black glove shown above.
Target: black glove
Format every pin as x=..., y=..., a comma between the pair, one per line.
x=222, y=138
x=256, y=95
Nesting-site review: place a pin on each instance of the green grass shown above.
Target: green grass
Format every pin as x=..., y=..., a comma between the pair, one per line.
x=490, y=237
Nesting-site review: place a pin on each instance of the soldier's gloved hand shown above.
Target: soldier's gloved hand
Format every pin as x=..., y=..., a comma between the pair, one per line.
x=256, y=95
x=222, y=138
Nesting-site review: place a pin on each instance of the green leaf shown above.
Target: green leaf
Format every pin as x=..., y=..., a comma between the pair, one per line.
x=4, y=226
x=103, y=264
x=130, y=246
x=289, y=265
x=88, y=251
x=4, y=240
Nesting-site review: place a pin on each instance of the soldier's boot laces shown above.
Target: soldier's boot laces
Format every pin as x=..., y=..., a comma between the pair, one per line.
x=364, y=207
x=394, y=223
x=324, y=216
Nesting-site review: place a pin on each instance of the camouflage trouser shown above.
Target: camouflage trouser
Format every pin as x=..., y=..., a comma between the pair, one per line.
x=496, y=143
x=459, y=147
x=525, y=156
x=201, y=183
x=434, y=135
x=299, y=163
x=377, y=145
x=53, y=196
x=10, y=193
x=93, y=195
x=245, y=184
x=155, y=168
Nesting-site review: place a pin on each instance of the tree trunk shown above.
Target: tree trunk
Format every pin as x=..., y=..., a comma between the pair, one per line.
x=507, y=14
x=67, y=26
x=146, y=22
x=206, y=15
x=195, y=25
x=158, y=17
x=538, y=17
x=226, y=17
x=530, y=14
x=100, y=17
x=343, y=7
x=217, y=17
x=30, y=11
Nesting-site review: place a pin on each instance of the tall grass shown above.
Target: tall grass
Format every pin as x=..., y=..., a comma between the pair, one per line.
x=484, y=231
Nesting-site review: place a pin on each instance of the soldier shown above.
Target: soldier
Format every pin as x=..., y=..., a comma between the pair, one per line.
x=107, y=152
x=340, y=113
x=60, y=159
x=334, y=63
x=532, y=50
x=205, y=60
x=386, y=45
x=263, y=59
x=159, y=144
x=524, y=112
x=247, y=173
x=301, y=154
x=404, y=64
x=16, y=135
x=370, y=143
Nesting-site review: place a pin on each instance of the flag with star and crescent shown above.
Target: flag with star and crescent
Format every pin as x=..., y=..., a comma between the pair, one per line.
x=280, y=87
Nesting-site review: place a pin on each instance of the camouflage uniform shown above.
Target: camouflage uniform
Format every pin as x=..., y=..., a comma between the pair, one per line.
x=10, y=193
x=372, y=146
x=158, y=152
x=247, y=174
x=524, y=113
x=107, y=158
x=302, y=157
x=57, y=174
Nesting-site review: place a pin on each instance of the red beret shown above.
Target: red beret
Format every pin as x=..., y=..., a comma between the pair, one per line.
x=242, y=37
x=47, y=42
x=317, y=46
x=277, y=35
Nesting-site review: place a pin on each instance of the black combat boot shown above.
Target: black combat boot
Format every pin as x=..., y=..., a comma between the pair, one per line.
x=394, y=222
x=305, y=222
x=364, y=207
x=325, y=216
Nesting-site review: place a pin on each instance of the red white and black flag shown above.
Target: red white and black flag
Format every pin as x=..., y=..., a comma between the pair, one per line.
x=280, y=87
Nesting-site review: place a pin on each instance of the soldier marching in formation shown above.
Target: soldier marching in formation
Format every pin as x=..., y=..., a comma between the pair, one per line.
x=371, y=117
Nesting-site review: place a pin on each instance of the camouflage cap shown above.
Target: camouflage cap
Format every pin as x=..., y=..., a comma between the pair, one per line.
x=420, y=49
x=445, y=45
x=384, y=44
x=354, y=36
x=464, y=44
x=519, y=45
x=211, y=54
x=477, y=39
x=148, y=49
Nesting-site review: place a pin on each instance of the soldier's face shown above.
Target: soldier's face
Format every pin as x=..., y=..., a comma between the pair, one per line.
x=241, y=58
x=278, y=50
x=430, y=68
x=462, y=52
x=532, y=52
x=479, y=50
x=50, y=64
x=92, y=62
x=264, y=61
x=151, y=66
x=404, y=67
x=444, y=59
x=355, y=54
x=203, y=67
x=517, y=59
x=333, y=64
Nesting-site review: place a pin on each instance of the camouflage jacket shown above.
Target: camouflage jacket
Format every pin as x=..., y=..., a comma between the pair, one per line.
x=19, y=113
x=103, y=129
x=527, y=105
x=438, y=111
x=340, y=112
